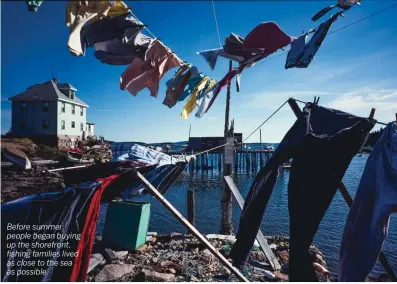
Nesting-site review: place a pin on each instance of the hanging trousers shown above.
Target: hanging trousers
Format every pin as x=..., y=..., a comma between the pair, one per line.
x=322, y=143
x=368, y=220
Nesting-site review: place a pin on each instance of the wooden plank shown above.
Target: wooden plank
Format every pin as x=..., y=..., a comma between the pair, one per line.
x=260, y=238
x=192, y=229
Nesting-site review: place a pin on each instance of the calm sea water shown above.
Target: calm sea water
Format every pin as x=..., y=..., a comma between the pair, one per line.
x=207, y=185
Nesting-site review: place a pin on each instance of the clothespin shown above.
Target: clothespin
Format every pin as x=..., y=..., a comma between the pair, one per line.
x=317, y=101
x=314, y=101
x=371, y=115
x=396, y=117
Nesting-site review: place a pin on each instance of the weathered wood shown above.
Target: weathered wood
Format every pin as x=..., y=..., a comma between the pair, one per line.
x=294, y=106
x=95, y=260
x=67, y=168
x=192, y=229
x=260, y=238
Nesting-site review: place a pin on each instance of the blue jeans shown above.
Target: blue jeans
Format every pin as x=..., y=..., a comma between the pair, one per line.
x=368, y=220
x=322, y=143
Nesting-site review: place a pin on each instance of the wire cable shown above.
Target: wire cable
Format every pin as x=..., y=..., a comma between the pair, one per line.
x=216, y=24
x=265, y=121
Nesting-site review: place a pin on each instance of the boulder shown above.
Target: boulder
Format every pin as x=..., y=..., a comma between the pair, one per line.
x=281, y=276
x=113, y=272
x=157, y=276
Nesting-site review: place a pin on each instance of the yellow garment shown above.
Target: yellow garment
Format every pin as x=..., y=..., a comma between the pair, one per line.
x=79, y=13
x=191, y=102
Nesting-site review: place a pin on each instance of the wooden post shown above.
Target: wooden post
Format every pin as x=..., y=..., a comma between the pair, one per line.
x=260, y=137
x=191, y=211
x=226, y=203
x=349, y=199
x=192, y=229
x=260, y=238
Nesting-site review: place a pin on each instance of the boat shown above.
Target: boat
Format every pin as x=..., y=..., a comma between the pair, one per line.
x=76, y=157
x=269, y=148
x=17, y=157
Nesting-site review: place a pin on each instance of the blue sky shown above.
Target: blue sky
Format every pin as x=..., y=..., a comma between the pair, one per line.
x=354, y=70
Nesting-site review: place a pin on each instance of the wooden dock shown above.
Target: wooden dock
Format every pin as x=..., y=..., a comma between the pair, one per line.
x=249, y=160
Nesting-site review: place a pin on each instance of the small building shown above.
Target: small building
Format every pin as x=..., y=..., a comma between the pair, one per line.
x=206, y=143
x=50, y=113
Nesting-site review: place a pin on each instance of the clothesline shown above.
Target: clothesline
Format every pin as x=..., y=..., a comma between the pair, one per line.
x=337, y=30
x=378, y=122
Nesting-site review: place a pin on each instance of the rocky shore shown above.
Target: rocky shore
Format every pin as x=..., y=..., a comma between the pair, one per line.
x=176, y=257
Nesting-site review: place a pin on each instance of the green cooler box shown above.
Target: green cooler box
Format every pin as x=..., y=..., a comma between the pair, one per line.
x=126, y=224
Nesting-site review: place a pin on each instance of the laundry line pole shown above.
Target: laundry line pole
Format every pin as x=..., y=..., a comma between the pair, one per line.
x=226, y=202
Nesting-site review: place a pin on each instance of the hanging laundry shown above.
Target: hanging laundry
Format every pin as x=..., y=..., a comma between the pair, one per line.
x=76, y=210
x=319, y=136
x=234, y=45
x=368, y=220
x=222, y=83
x=267, y=36
x=211, y=56
x=301, y=53
x=33, y=6
x=115, y=52
x=344, y=4
x=110, y=28
x=191, y=84
x=206, y=83
x=204, y=102
x=78, y=13
x=176, y=86
x=147, y=74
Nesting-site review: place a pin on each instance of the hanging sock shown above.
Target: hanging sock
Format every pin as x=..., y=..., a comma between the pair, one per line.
x=177, y=84
x=33, y=6
x=344, y=4
x=147, y=74
x=368, y=220
x=206, y=83
x=301, y=53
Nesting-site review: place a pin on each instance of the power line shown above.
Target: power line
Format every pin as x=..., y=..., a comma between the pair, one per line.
x=337, y=30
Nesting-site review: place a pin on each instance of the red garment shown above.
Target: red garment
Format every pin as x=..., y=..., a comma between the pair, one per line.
x=84, y=247
x=267, y=35
x=222, y=83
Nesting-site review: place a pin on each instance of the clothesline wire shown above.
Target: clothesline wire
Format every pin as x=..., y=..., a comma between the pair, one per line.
x=337, y=30
x=265, y=121
x=378, y=122
x=145, y=26
x=216, y=24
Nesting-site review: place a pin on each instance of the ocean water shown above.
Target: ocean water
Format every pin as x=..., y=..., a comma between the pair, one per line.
x=207, y=185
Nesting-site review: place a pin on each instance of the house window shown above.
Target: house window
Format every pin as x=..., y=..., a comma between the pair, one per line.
x=81, y=127
x=89, y=127
x=23, y=124
x=23, y=106
x=63, y=107
x=81, y=111
x=73, y=109
x=45, y=123
x=62, y=124
x=72, y=95
x=73, y=125
x=45, y=106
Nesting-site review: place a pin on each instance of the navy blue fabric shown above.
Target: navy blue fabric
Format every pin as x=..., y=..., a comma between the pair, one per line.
x=322, y=143
x=66, y=208
x=109, y=28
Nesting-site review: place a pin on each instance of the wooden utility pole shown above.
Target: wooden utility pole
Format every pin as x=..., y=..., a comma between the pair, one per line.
x=260, y=134
x=226, y=203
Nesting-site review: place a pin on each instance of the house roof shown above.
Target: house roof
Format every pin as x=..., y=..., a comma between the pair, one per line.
x=47, y=91
x=66, y=86
x=90, y=123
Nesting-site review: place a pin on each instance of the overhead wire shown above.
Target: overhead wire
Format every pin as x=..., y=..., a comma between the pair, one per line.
x=216, y=24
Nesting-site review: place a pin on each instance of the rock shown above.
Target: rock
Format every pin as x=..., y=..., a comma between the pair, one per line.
x=157, y=276
x=321, y=269
x=273, y=246
x=269, y=274
x=151, y=239
x=155, y=260
x=193, y=279
x=283, y=255
x=281, y=276
x=147, y=261
x=142, y=248
x=176, y=235
x=112, y=272
x=171, y=270
x=226, y=272
x=258, y=255
x=121, y=254
x=166, y=263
